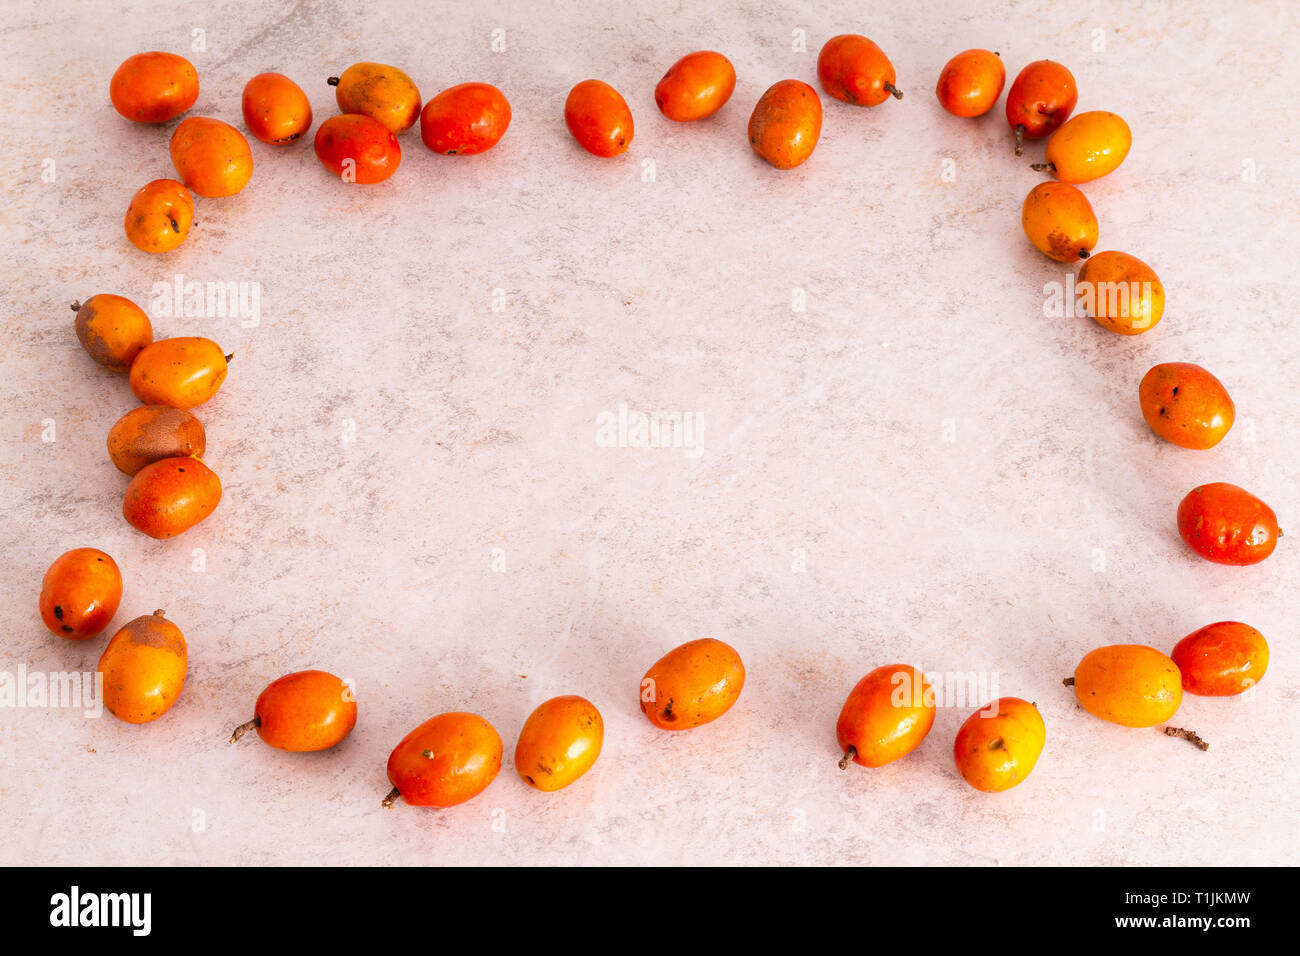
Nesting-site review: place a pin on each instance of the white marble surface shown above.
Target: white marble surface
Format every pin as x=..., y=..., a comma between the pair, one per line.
x=824, y=434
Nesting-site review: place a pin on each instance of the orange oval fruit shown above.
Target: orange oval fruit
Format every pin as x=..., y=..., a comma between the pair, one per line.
x=1089, y=146
x=112, y=329
x=80, y=593
x=212, y=157
x=159, y=216
x=1059, y=221
x=696, y=86
x=692, y=685
x=464, y=120
x=559, y=742
x=971, y=83
x=154, y=432
x=1121, y=292
x=154, y=87
x=599, y=118
x=170, y=496
x=183, y=372
x=1221, y=659
x=886, y=716
x=382, y=92
x=143, y=669
x=357, y=149
x=1226, y=524
x=447, y=760
x=303, y=712
x=786, y=124
x=998, y=745
x=1041, y=98
x=276, y=110
x=853, y=69
x=1129, y=684
x=1186, y=405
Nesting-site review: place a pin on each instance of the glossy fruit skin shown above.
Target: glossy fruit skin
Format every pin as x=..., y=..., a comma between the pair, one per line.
x=306, y=711
x=144, y=669
x=182, y=372
x=154, y=432
x=692, y=685
x=998, y=745
x=170, y=496
x=1128, y=684
x=559, y=743
x=1122, y=293
x=80, y=593
x=211, y=157
x=599, y=118
x=853, y=69
x=1186, y=405
x=382, y=92
x=886, y=716
x=464, y=756
x=1089, y=146
x=465, y=120
x=1221, y=659
x=113, y=329
x=276, y=110
x=1059, y=221
x=1041, y=99
x=696, y=86
x=1227, y=524
x=370, y=146
x=971, y=83
x=786, y=124
x=154, y=87
x=160, y=216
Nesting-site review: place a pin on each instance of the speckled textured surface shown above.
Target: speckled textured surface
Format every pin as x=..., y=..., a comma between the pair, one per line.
x=901, y=458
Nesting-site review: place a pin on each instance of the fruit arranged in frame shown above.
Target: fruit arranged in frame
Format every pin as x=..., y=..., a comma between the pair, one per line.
x=276, y=110
x=382, y=92
x=112, y=329
x=170, y=496
x=1128, y=684
x=696, y=86
x=447, y=760
x=886, y=716
x=1088, y=147
x=143, y=668
x=80, y=593
x=998, y=745
x=559, y=742
x=1059, y=221
x=212, y=157
x=1221, y=659
x=971, y=83
x=692, y=685
x=159, y=216
x=1227, y=524
x=182, y=372
x=464, y=120
x=357, y=148
x=1185, y=404
x=154, y=432
x=1040, y=100
x=154, y=87
x=303, y=712
x=599, y=118
x=1121, y=292
x=853, y=69
x=786, y=123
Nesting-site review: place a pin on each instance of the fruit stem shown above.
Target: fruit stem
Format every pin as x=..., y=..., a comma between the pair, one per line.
x=333, y=81
x=1084, y=253
x=160, y=613
x=391, y=798
x=1068, y=682
x=1190, y=736
x=1020, y=139
x=245, y=728
x=848, y=757
x=898, y=94
x=76, y=307
x=1043, y=167
x=230, y=358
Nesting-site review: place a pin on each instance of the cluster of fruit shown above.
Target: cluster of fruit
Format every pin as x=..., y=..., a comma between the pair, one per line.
x=454, y=756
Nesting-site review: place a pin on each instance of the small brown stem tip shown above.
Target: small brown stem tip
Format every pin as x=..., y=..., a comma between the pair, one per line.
x=1043, y=167
x=76, y=307
x=1020, y=139
x=391, y=798
x=898, y=94
x=1191, y=736
x=245, y=728
x=333, y=81
x=848, y=757
x=1084, y=253
x=1068, y=682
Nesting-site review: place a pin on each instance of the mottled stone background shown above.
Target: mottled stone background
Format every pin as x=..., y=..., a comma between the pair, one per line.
x=919, y=466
